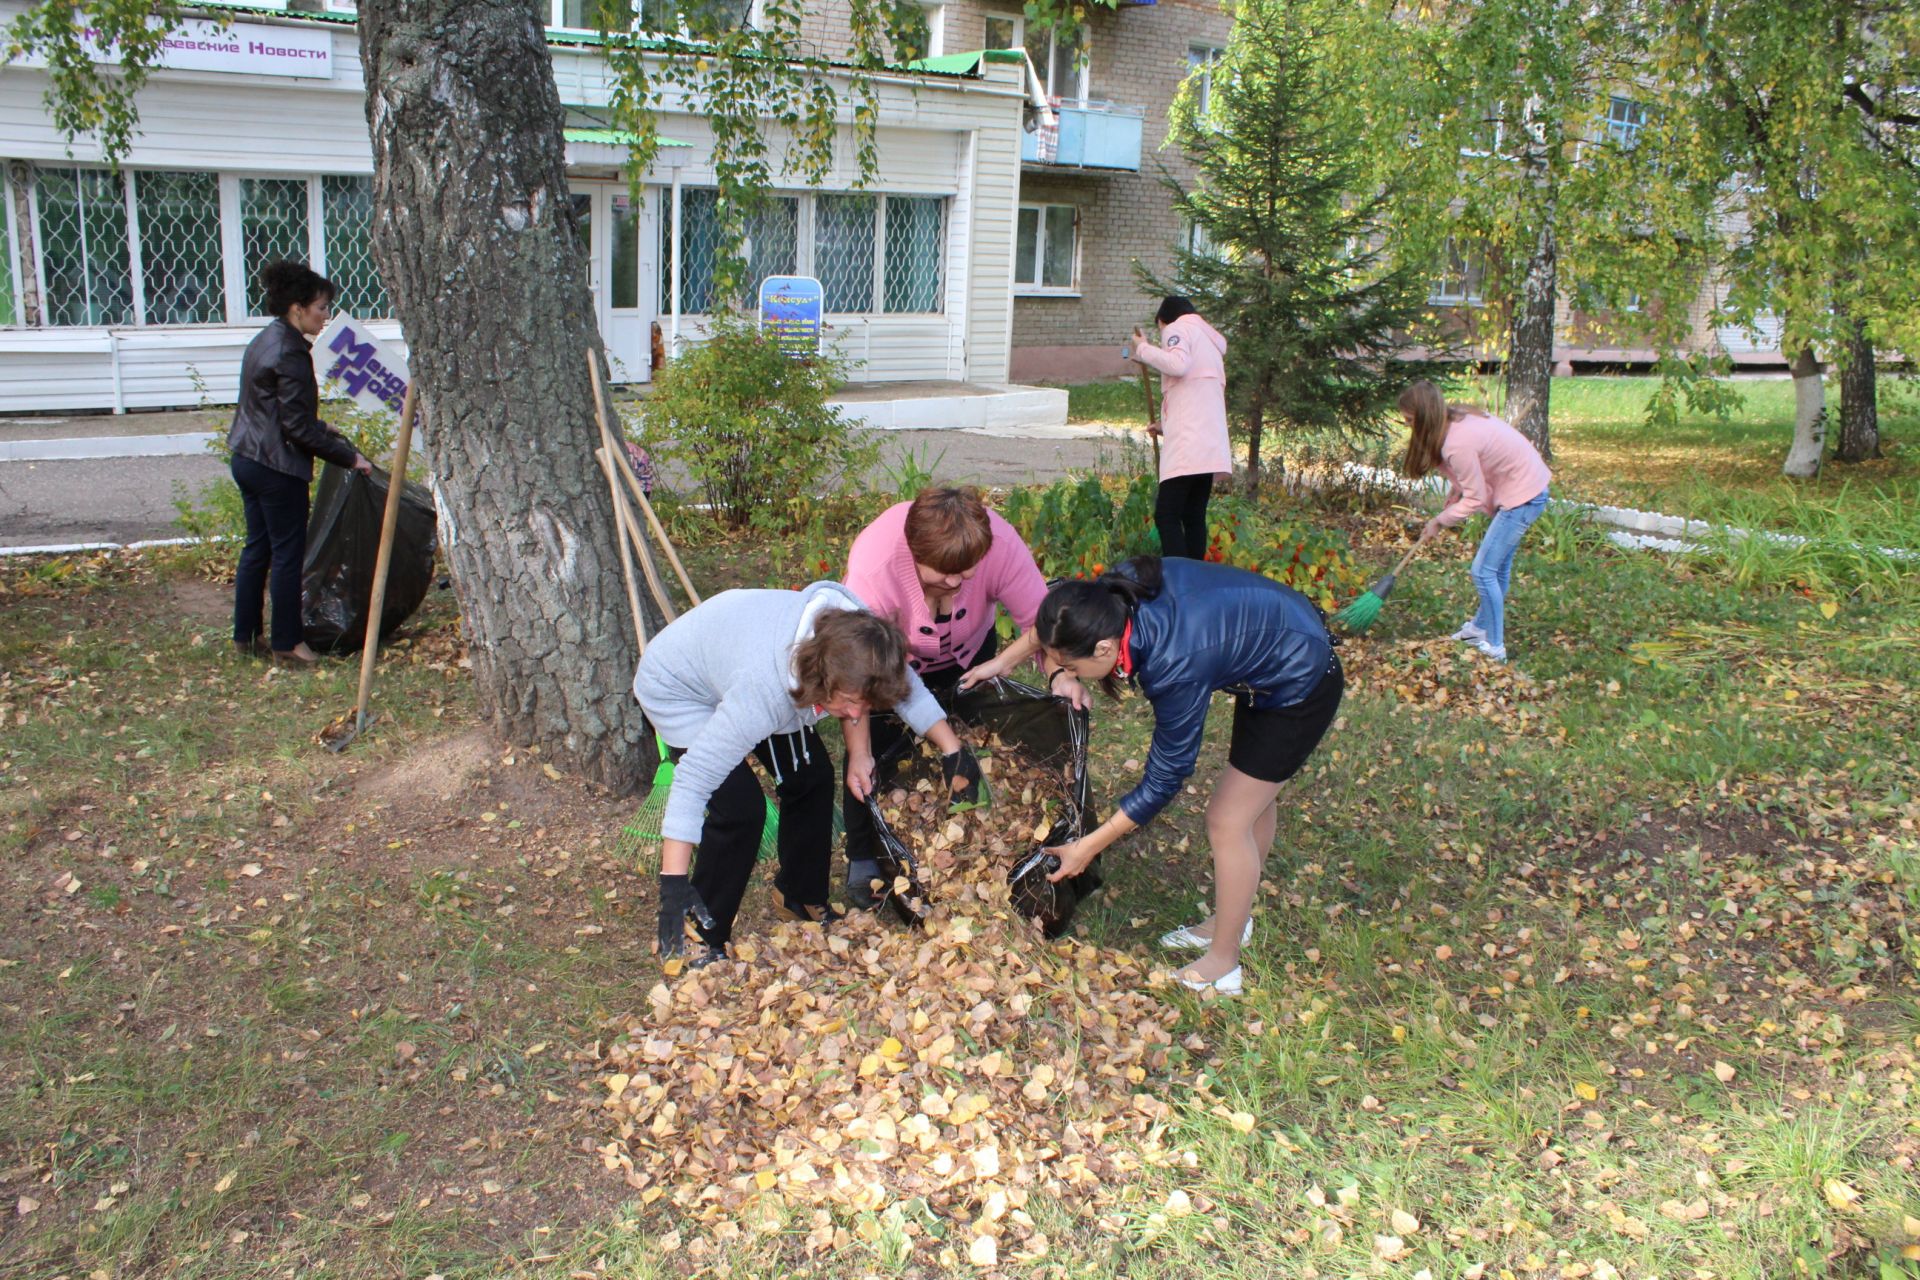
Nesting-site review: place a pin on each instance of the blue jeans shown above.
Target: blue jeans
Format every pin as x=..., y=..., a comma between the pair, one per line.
x=276, y=507
x=1493, y=566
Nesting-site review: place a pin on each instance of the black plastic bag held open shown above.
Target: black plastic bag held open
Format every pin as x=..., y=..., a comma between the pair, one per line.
x=343, y=540
x=1054, y=735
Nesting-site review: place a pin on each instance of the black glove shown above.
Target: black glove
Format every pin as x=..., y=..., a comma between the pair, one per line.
x=678, y=900
x=961, y=764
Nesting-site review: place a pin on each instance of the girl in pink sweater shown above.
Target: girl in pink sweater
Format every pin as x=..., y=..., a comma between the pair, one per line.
x=1494, y=471
x=1193, y=423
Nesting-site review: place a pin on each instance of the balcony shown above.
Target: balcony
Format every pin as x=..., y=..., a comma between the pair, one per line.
x=1087, y=134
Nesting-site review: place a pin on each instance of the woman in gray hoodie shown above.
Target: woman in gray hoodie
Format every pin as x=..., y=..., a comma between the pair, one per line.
x=749, y=674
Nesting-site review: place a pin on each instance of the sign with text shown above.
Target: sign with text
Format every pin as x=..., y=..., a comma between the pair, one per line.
x=242, y=48
x=351, y=361
x=791, y=311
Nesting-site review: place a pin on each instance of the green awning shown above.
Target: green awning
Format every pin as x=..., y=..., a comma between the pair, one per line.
x=616, y=138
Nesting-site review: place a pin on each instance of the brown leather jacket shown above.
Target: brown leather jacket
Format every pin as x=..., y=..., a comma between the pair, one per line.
x=277, y=423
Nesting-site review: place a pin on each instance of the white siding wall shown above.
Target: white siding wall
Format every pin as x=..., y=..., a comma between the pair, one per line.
x=953, y=139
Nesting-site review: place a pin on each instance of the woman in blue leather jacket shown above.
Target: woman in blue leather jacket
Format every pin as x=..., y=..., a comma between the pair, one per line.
x=1184, y=630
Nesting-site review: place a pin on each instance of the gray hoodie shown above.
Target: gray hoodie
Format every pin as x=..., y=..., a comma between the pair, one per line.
x=720, y=681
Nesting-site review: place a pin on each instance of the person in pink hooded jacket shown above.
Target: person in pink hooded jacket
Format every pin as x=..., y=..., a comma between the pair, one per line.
x=1192, y=426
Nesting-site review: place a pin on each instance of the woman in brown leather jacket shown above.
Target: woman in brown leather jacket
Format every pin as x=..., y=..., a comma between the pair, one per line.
x=276, y=435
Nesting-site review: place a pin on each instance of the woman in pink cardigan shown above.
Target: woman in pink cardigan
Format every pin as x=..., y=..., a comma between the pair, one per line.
x=938, y=567
x=1192, y=426
x=1494, y=471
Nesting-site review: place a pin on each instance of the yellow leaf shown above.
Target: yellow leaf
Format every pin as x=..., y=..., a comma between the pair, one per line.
x=1723, y=1072
x=1840, y=1195
x=1585, y=1092
x=1241, y=1120
x=890, y=1048
x=1404, y=1223
x=221, y=1186
x=984, y=1251
x=1910, y=1225
x=765, y=1179
x=1179, y=1203
x=1828, y=609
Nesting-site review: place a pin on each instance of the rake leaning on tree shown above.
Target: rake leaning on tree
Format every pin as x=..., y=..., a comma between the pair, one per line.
x=747, y=675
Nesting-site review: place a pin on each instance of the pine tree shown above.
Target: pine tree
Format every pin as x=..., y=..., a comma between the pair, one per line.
x=1290, y=253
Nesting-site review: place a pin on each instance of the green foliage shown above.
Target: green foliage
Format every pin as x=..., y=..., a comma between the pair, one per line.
x=1301, y=269
x=83, y=96
x=1081, y=528
x=752, y=429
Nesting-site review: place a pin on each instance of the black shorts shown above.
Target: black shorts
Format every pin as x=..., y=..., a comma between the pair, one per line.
x=1271, y=746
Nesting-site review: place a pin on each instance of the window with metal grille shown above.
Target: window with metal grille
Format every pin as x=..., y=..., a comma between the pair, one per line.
x=346, y=219
x=698, y=250
x=81, y=225
x=182, y=263
x=773, y=242
x=843, y=250
x=8, y=312
x=273, y=227
x=916, y=234
x=1625, y=119
x=1460, y=279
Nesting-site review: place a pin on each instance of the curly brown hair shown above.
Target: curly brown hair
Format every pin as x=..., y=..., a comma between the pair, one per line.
x=948, y=529
x=852, y=654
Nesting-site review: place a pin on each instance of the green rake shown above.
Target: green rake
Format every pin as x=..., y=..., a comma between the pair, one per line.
x=640, y=838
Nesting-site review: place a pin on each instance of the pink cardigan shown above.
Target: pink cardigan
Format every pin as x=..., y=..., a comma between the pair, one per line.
x=880, y=571
x=1492, y=467
x=1193, y=404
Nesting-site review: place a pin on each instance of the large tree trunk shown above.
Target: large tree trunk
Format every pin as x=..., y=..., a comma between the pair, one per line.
x=477, y=241
x=1809, y=417
x=1859, y=412
x=1530, y=346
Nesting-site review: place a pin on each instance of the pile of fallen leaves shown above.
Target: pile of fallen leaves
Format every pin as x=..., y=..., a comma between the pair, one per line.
x=1444, y=675
x=940, y=1076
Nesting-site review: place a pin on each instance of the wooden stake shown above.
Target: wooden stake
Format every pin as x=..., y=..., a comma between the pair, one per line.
x=1146, y=389
x=389, y=521
x=633, y=485
x=626, y=552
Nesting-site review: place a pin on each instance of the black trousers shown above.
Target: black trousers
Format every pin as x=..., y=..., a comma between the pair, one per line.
x=737, y=815
x=887, y=732
x=1180, y=514
x=276, y=507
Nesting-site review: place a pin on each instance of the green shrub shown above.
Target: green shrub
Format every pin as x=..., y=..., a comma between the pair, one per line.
x=752, y=430
x=1082, y=527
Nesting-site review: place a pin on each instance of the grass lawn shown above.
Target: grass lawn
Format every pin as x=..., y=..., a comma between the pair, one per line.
x=1602, y=965
x=1704, y=467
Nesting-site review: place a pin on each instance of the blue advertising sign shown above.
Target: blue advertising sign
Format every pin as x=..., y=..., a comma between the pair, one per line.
x=791, y=308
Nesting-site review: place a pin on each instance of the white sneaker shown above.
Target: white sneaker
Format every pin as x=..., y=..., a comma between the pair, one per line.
x=1497, y=653
x=1185, y=939
x=1230, y=983
x=1469, y=634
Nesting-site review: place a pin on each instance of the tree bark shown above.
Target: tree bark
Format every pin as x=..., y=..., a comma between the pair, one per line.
x=1859, y=412
x=477, y=241
x=1530, y=345
x=1809, y=417
x=1256, y=428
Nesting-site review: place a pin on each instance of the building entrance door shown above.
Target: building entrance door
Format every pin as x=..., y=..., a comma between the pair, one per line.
x=622, y=274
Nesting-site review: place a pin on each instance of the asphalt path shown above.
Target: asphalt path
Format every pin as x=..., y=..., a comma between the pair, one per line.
x=52, y=503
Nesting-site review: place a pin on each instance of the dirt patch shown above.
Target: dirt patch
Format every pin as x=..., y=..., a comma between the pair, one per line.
x=438, y=771
x=197, y=601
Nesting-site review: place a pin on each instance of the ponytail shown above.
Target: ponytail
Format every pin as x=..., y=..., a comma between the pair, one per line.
x=1078, y=614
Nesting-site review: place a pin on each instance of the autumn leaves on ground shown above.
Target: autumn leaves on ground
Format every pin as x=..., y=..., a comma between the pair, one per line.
x=1603, y=964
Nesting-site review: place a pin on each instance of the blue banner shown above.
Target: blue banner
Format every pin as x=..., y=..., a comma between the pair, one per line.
x=791, y=308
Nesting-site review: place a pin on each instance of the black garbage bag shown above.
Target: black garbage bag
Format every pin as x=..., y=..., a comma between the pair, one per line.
x=1054, y=734
x=343, y=541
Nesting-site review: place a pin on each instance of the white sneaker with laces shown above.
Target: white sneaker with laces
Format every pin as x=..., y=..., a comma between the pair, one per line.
x=1230, y=983
x=1185, y=939
x=1497, y=653
x=1469, y=634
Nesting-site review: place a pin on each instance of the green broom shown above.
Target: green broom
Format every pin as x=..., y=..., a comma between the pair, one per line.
x=1359, y=615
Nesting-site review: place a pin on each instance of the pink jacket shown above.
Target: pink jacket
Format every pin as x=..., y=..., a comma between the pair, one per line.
x=880, y=571
x=1193, y=402
x=1492, y=467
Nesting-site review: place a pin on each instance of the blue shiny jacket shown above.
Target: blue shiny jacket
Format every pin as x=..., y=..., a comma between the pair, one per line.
x=1212, y=628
